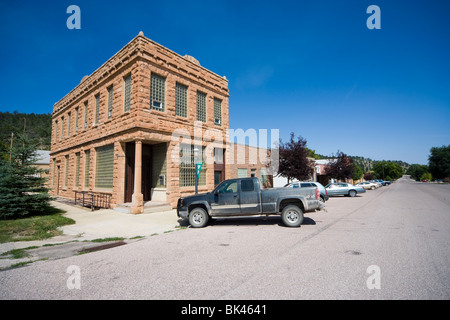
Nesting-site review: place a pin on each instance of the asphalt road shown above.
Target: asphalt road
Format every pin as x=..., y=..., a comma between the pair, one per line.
x=390, y=243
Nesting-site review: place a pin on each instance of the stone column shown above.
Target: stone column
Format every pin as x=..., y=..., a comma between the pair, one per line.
x=138, y=198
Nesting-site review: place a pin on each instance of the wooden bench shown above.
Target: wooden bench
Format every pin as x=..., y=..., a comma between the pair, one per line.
x=93, y=200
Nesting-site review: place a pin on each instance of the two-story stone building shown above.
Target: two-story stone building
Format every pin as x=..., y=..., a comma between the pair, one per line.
x=131, y=128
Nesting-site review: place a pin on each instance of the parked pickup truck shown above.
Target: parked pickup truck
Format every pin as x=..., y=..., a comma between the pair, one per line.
x=244, y=197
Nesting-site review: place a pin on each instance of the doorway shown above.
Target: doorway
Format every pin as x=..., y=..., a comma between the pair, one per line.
x=219, y=165
x=130, y=157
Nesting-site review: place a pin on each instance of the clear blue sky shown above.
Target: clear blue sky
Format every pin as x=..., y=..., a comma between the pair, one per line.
x=308, y=67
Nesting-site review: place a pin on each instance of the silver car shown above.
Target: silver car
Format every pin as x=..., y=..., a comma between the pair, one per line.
x=367, y=185
x=306, y=184
x=343, y=188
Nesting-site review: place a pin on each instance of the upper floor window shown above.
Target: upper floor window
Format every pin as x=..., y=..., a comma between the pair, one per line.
x=217, y=111
x=127, y=93
x=181, y=100
x=62, y=128
x=97, y=108
x=110, y=102
x=56, y=130
x=76, y=119
x=157, y=92
x=69, y=120
x=85, y=114
x=201, y=106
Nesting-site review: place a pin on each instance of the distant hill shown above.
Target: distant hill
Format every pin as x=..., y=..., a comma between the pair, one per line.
x=38, y=127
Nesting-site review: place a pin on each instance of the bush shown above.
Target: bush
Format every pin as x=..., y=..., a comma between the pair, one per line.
x=426, y=176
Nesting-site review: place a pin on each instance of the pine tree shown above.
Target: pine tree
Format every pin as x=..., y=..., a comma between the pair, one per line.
x=22, y=189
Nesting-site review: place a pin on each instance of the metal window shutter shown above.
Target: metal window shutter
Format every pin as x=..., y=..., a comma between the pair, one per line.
x=104, y=167
x=87, y=165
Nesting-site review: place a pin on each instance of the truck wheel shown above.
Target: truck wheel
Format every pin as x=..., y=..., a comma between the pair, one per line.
x=352, y=193
x=198, y=218
x=292, y=216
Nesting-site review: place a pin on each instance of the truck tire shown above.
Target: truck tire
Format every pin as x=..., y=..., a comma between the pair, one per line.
x=292, y=216
x=198, y=218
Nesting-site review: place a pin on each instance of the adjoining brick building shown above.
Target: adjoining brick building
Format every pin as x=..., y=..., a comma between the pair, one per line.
x=132, y=127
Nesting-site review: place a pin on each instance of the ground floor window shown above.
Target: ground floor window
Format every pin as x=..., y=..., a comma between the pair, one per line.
x=104, y=166
x=87, y=166
x=187, y=166
x=77, y=169
x=242, y=173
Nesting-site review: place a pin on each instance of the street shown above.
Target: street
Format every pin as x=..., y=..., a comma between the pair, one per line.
x=389, y=243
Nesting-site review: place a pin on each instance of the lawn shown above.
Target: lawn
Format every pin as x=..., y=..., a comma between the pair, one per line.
x=39, y=227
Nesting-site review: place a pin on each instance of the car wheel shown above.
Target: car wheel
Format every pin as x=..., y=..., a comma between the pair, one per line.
x=198, y=218
x=322, y=199
x=372, y=188
x=292, y=216
x=352, y=193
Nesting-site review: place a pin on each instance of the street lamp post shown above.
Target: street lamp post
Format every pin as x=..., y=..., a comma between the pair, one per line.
x=195, y=166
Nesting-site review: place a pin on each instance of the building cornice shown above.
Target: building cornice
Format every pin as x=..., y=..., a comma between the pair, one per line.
x=139, y=47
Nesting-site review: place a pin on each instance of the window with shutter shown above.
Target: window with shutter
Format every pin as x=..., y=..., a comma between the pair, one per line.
x=104, y=167
x=217, y=111
x=87, y=164
x=97, y=108
x=187, y=166
x=77, y=169
x=66, y=173
x=201, y=106
x=110, y=102
x=181, y=100
x=127, y=97
x=157, y=92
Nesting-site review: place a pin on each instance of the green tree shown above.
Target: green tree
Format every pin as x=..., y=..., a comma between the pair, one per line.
x=383, y=169
x=426, y=176
x=439, y=162
x=357, y=172
x=22, y=190
x=417, y=170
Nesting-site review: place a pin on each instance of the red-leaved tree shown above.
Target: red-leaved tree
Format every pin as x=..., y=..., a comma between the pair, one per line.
x=294, y=163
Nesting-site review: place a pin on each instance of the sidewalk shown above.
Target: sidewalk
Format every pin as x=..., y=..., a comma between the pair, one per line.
x=90, y=225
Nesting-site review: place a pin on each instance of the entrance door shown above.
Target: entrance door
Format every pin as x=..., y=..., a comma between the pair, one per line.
x=147, y=172
x=129, y=171
x=130, y=157
x=219, y=165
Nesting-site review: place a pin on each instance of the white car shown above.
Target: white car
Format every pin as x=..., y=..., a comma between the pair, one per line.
x=368, y=185
x=378, y=184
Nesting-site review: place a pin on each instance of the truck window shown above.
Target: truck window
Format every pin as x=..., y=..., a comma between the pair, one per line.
x=228, y=187
x=247, y=185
